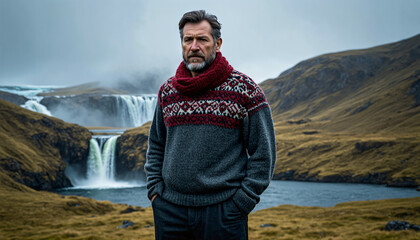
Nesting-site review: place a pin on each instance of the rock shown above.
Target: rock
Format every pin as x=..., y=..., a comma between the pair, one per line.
x=362, y=108
x=130, y=210
x=368, y=145
x=403, y=182
x=13, y=98
x=266, y=225
x=298, y=122
x=288, y=175
x=415, y=227
x=310, y=132
x=415, y=89
x=131, y=151
x=86, y=109
x=397, y=225
x=126, y=224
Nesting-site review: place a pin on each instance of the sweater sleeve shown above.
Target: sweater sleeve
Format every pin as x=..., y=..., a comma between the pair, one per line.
x=259, y=136
x=155, y=154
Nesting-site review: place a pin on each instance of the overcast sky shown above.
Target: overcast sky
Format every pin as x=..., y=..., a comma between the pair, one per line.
x=69, y=42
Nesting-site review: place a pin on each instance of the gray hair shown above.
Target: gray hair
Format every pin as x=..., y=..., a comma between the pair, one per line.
x=198, y=16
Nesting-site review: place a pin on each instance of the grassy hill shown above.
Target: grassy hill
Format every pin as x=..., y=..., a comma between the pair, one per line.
x=350, y=116
x=34, y=148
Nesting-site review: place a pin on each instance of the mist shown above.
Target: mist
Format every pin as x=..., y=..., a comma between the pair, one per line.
x=135, y=44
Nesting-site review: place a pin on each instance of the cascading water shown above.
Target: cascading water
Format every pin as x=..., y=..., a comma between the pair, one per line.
x=134, y=111
x=30, y=92
x=101, y=161
x=34, y=105
x=123, y=111
x=101, y=165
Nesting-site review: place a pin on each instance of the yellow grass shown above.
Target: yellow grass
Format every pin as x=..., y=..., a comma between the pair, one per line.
x=325, y=153
x=29, y=214
x=353, y=220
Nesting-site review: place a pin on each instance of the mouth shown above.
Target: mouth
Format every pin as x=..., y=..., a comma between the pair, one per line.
x=198, y=55
x=195, y=58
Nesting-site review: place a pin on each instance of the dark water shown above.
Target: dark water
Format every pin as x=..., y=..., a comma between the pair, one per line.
x=278, y=193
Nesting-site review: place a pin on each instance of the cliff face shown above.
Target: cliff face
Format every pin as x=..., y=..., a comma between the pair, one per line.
x=85, y=109
x=131, y=151
x=13, y=98
x=35, y=148
x=350, y=116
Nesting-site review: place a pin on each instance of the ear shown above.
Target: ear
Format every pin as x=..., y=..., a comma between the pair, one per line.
x=219, y=44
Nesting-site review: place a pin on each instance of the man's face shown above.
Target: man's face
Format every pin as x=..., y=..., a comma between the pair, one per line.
x=198, y=47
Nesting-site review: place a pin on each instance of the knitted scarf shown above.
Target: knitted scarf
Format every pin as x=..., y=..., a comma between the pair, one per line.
x=216, y=74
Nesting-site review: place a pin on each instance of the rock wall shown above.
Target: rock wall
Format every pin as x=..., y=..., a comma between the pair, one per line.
x=86, y=109
x=13, y=98
x=35, y=148
x=131, y=152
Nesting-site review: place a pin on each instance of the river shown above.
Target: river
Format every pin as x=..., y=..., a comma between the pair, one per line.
x=278, y=193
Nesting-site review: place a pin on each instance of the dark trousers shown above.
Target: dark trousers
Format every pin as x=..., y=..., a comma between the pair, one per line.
x=219, y=221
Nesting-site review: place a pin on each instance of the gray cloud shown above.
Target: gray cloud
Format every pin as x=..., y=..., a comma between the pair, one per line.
x=62, y=42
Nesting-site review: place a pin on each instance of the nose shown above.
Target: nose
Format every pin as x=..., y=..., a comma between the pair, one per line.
x=195, y=46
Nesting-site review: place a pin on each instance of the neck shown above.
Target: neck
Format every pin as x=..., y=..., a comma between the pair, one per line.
x=195, y=74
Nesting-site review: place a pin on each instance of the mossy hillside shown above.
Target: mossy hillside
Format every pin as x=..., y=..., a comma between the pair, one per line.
x=35, y=147
x=132, y=147
x=366, y=90
x=350, y=116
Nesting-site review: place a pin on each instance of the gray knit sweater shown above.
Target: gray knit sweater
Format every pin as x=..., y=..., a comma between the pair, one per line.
x=208, y=148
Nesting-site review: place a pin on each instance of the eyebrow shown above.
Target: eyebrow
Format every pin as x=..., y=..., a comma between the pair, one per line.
x=196, y=36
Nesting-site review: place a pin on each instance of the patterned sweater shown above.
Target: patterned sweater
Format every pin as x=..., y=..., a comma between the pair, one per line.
x=207, y=148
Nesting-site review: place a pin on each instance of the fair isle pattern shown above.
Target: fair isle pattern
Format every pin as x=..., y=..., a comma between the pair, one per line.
x=225, y=106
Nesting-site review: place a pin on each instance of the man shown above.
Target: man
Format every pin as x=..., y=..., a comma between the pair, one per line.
x=211, y=145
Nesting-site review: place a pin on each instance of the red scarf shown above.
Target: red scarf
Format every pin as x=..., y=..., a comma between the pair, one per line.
x=216, y=74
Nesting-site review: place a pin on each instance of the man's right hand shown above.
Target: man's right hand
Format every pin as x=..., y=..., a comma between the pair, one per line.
x=153, y=198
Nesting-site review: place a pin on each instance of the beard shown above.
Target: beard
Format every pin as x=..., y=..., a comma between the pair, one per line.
x=200, y=67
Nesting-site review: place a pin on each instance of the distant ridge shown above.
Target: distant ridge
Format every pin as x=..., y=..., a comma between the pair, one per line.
x=92, y=88
x=358, y=88
x=351, y=116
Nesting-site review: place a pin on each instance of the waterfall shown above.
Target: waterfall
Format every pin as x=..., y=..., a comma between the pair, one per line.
x=134, y=111
x=30, y=92
x=94, y=162
x=124, y=111
x=108, y=158
x=101, y=166
x=34, y=105
x=101, y=161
